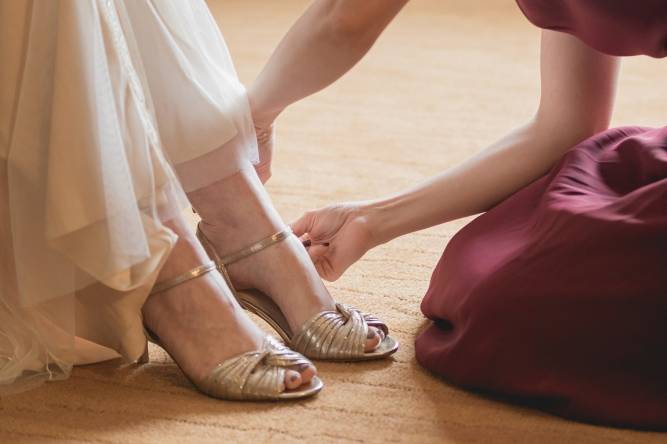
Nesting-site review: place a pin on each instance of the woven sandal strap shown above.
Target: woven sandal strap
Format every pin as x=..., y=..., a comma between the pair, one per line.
x=181, y=278
x=339, y=334
x=256, y=247
x=257, y=374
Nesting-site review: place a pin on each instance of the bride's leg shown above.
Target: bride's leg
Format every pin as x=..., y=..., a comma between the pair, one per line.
x=199, y=322
x=206, y=132
x=284, y=271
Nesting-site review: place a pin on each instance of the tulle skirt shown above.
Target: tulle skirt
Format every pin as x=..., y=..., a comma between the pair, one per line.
x=109, y=111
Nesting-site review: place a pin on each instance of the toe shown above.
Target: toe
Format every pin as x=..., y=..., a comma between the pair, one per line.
x=292, y=379
x=307, y=373
x=373, y=339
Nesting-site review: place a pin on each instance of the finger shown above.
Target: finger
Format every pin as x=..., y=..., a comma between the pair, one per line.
x=304, y=224
x=339, y=260
x=263, y=172
x=326, y=272
x=324, y=264
x=317, y=252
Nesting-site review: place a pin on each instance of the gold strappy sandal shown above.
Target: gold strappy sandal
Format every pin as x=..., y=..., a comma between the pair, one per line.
x=257, y=375
x=338, y=335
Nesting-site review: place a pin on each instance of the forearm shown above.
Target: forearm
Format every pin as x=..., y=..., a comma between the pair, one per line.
x=324, y=43
x=472, y=187
x=577, y=95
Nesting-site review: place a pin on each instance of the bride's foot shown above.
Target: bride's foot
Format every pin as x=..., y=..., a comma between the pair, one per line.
x=199, y=322
x=236, y=212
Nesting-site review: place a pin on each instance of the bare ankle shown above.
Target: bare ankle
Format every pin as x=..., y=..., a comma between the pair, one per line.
x=236, y=210
x=224, y=199
x=187, y=252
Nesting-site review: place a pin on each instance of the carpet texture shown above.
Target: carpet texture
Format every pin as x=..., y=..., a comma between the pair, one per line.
x=446, y=79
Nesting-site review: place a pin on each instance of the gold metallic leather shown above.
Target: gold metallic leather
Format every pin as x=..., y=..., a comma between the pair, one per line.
x=182, y=278
x=256, y=375
x=340, y=334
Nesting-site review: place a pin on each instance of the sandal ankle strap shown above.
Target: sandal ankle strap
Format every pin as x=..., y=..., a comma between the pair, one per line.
x=181, y=278
x=254, y=248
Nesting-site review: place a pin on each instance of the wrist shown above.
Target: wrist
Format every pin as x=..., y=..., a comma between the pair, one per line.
x=378, y=218
x=262, y=115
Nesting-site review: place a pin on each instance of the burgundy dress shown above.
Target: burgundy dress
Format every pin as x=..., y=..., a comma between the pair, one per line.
x=558, y=295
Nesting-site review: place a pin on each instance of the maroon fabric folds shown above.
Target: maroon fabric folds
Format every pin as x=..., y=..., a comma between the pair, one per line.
x=558, y=295
x=617, y=27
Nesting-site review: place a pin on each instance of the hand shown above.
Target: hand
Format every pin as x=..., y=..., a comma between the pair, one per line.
x=335, y=236
x=264, y=131
x=265, y=139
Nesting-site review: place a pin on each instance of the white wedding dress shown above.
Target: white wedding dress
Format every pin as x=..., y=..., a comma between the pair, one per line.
x=109, y=111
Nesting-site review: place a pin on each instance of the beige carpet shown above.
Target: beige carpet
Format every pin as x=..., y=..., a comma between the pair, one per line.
x=445, y=80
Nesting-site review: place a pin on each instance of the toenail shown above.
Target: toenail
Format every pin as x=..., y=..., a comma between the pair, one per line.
x=303, y=367
x=293, y=378
x=371, y=334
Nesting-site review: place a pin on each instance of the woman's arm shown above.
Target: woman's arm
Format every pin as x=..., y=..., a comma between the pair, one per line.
x=323, y=44
x=576, y=102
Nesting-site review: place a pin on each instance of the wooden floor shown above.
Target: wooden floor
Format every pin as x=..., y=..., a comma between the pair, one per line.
x=446, y=79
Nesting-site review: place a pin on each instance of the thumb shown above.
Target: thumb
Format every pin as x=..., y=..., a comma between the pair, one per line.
x=323, y=258
x=304, y=224
x=318, y=252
